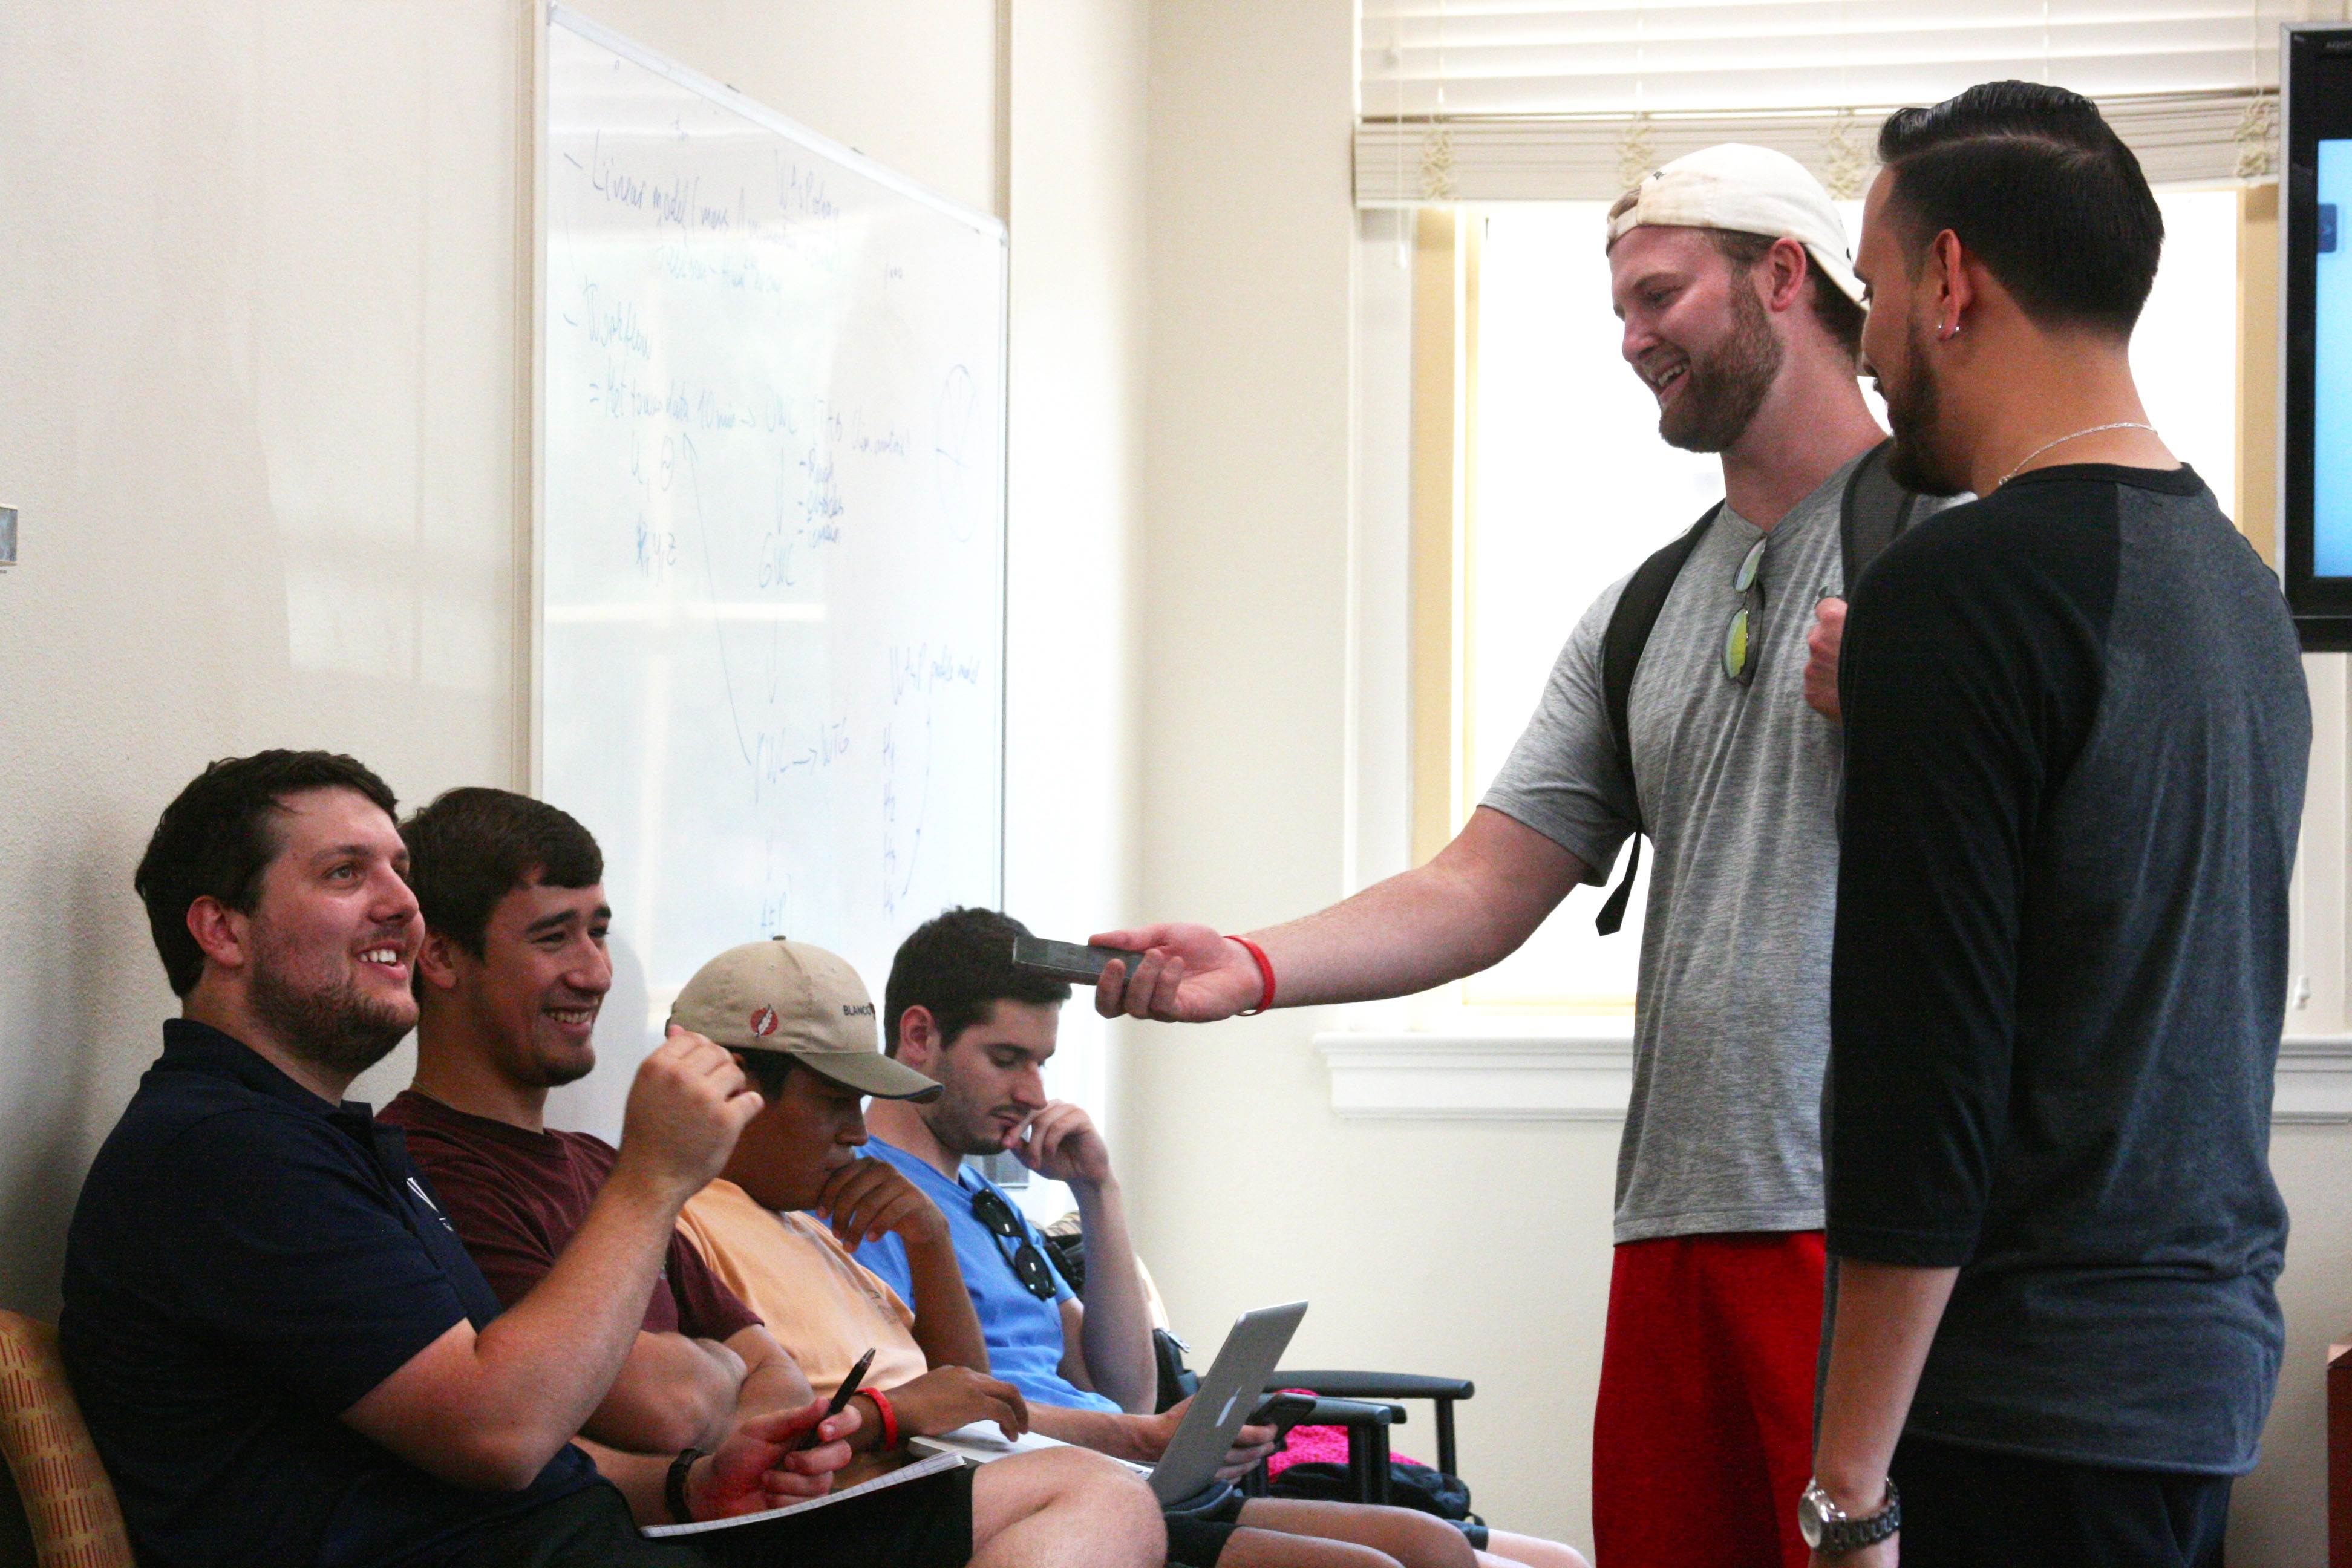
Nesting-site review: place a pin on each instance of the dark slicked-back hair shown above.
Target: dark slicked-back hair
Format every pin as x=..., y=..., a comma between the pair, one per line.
x=219, y=835
x=474, y=845
x=2033, y=180
x=957, y=966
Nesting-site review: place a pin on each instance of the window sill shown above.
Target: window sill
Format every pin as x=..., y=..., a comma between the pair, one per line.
x=1563, y=1076
x=1587, y=1075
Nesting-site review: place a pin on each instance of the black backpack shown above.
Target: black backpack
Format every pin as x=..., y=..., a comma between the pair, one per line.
x=1874, y=509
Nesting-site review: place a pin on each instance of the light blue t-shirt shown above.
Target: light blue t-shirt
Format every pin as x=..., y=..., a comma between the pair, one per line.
x=1023, y=1334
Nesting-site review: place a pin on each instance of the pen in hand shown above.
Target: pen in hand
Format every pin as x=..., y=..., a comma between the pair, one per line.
x=841, y=1397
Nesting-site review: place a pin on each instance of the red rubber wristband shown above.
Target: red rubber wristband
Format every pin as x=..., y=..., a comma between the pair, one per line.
x=889, y=1417
x=1265, y=973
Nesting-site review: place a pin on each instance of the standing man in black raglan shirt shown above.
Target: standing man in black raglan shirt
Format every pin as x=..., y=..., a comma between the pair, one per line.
x=2076, y=733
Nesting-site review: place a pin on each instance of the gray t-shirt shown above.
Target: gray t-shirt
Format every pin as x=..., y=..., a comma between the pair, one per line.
x=1738, y=786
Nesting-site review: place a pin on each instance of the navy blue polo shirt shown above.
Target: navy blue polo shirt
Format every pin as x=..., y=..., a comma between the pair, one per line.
x=246, y=1262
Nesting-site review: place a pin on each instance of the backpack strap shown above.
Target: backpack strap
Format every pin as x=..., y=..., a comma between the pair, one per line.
x=1874, y=511
x=1636, y=612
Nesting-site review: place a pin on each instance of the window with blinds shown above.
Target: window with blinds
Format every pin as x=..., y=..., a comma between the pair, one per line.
x=1573, y=100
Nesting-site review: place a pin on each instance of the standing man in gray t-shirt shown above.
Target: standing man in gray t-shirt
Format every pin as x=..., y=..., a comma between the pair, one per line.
x=1742, y=316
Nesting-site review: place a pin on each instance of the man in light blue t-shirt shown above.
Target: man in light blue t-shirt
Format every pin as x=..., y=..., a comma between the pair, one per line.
x=956, y=1011
x=1022, y=1313
x=1090, y=1352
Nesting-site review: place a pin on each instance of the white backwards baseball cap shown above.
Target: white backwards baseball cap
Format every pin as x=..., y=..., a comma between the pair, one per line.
x=1745, y=190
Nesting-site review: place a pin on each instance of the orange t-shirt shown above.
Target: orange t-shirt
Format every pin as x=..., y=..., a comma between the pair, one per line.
x=823, y=1305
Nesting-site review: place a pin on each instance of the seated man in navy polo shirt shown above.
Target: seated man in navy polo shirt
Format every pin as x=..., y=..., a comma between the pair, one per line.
x=283, y=1353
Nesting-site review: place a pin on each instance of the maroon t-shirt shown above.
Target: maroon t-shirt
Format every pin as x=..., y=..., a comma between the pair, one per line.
x=517, y=1196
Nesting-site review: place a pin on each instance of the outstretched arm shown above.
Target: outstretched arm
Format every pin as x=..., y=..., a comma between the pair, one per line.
x=1470, y=907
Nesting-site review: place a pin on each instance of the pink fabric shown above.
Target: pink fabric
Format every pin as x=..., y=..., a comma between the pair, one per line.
x=1312, y=1445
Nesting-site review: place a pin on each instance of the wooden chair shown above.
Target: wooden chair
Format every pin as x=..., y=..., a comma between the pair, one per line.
x=69, y=1502
x=2340, y=1455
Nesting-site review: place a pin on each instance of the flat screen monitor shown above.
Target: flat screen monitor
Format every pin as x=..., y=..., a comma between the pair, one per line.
x=2316, y=428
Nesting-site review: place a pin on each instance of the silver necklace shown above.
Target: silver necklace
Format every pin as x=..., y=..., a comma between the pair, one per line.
x=2093, y=430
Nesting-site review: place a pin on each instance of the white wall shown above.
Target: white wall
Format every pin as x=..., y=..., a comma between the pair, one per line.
x=1077, y=215
x=258, y=288
x=1477, y=1249
x=1471, y=1250
x=257, y=291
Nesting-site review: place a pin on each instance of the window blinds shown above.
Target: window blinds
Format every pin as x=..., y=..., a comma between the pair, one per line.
x=1516, y=100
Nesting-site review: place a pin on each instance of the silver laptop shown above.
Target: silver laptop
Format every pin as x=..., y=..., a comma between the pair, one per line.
x=1232, y=1388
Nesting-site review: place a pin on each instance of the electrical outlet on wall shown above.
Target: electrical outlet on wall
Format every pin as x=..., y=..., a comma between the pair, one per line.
x=7, y=537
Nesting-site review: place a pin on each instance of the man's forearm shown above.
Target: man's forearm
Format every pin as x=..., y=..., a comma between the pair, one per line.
x=946, y=1327
x=1885, y=1321
x=547, y=1362
x=1117, y=1328
x=1469, y=908
x=1121, y=1437
x=671, y=1393
x=773, y=1380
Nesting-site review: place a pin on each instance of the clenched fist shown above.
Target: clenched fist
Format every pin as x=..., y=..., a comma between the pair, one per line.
x=685, y=1108
x=1821, y=645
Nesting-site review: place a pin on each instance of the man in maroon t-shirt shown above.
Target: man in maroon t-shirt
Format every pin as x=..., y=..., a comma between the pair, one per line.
x=516, y=1190
x=509, y=979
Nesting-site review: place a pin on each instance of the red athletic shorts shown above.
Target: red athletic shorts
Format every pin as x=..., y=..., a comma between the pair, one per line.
x=1704, y=1435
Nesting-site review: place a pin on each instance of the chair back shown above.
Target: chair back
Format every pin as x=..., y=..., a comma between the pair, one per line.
x=69, y=1502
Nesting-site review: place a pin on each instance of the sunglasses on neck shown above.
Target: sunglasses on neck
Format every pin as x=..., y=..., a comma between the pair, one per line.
x=1028, y=1264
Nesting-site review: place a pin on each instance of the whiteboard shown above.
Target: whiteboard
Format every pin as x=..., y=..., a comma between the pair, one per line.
x=771, y=543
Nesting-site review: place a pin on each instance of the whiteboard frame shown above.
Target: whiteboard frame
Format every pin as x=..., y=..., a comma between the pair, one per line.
x=543, y=14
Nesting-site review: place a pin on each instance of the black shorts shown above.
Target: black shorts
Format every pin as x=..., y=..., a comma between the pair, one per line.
x=1969, y=1506
x=1196, y=1538
x=921, y=1524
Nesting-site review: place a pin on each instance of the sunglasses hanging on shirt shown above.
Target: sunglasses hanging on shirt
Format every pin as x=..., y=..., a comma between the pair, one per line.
x=1029, y=1265
x=1739, y=637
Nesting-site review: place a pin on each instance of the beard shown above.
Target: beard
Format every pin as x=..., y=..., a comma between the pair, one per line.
x=335, y=1028
x=961, y=1130
x=1723, y=389
x=555, y=1075
x=1912, y=411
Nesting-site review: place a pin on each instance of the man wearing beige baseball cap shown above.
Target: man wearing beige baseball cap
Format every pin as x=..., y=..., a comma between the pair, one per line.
x=803, y=1025
x=1678, y=709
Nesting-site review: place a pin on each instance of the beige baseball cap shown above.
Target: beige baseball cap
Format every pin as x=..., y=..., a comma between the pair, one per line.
x=801, y=1002
x=1747, y=190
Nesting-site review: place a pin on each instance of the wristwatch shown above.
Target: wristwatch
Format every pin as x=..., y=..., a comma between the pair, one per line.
x=674, y=1488
x=1832, y=1532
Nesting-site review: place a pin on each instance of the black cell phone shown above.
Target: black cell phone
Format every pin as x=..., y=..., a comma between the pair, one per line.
x=1282, y=1411
x=841, y=1398
x=1068, y=961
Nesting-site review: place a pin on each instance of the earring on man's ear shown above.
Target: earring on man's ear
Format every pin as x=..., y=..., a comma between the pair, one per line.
x=1945, y=330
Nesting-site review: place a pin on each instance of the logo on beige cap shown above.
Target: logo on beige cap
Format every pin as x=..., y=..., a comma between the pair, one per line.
x=764, y=1023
